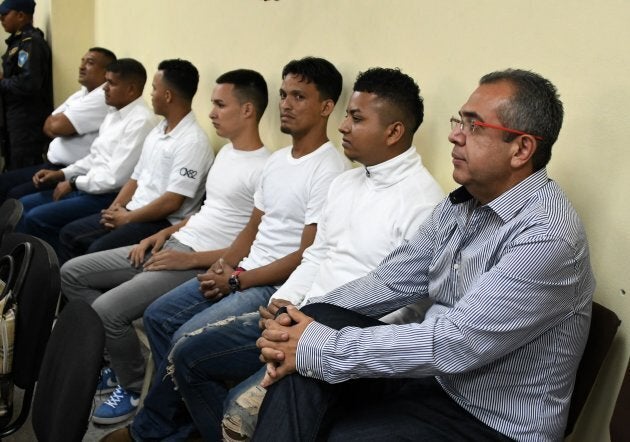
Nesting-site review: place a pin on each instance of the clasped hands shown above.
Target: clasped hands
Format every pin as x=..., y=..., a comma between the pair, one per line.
x=114, y=216
x=215, y=282
x=279, y=339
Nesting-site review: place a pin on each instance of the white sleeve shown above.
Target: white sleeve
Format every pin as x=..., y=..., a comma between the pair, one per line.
x=119, y=166
x=87, y=114
x=193, y=155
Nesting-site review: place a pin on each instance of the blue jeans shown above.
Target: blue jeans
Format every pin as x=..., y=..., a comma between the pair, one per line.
x=44, y=217
x=207, y=361
x=182, y=310
x=19, y=182
x=87, y=235
x=240, y=409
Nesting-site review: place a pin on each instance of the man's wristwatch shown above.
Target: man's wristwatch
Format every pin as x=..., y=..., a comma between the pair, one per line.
x=233, y=282
x=73, y=182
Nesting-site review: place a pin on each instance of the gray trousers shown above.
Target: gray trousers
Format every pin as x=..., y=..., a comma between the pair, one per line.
x=120, y=293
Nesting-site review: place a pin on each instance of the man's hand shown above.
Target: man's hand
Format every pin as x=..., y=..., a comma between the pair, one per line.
x=115, y=216
x=62, y=189
x=170, y=260
x=139, y=251
x=278, y=344
x=47, y=176
x=270, y=311
x=214, y=283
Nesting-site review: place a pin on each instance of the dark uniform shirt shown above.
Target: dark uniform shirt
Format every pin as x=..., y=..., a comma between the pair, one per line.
x=27, y=96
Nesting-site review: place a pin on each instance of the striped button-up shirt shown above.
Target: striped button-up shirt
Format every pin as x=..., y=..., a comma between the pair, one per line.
x=513, y=286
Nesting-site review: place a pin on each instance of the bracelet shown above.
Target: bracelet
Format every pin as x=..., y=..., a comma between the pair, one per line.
x=234, y=282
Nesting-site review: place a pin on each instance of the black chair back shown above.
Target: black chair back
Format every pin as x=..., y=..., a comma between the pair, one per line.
x=36, y=303
x=604, y=325
x=69, y=374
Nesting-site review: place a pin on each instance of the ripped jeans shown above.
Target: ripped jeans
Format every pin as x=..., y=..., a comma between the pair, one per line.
x=214, y=354
x=207, y=362
x=242, y=405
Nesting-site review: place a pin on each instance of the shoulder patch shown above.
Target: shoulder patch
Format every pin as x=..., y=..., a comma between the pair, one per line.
x=22, y=58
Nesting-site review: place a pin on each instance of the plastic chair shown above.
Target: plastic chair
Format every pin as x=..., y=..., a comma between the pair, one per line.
x=69, y=375
x=604, y=325
x=36, y=300
x=10, y=214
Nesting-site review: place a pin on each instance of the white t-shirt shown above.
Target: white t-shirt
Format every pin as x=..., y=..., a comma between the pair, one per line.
x=115, y=152
x=175, y=162
x=366, y=216
x=230, y=187
x=291, y=194
x=86, y=111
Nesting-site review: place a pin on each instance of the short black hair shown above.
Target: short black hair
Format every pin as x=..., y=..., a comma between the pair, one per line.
x=321, y=72
x=249, y=86
x=108, y=55
x=180, y=75
x=129, y=69
x=398, y=89
x=535, y=108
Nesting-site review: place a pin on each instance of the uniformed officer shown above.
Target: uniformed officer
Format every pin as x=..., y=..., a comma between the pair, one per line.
x=25, y=86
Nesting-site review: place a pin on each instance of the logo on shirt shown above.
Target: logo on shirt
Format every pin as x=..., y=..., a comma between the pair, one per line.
x=188, y=172
x=22, y=57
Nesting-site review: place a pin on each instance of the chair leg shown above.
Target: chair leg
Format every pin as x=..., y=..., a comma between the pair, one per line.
x=150, y=368
x=148, y=376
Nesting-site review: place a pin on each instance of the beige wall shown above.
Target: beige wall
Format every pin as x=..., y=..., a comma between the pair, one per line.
x=446, y=46
x=72, y=33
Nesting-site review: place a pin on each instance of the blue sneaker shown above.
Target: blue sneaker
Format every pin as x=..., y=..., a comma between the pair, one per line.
x=120, y=405
x=107, y=382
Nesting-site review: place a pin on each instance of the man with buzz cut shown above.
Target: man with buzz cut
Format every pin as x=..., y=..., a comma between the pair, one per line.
x=167, y=184
x=288, y=207
x=120, y=283
x=73, y=126
x=91, y=184
x=506, y=259
x=369, y=211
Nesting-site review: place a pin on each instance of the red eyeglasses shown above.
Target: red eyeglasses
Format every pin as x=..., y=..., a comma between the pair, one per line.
x=468, y=125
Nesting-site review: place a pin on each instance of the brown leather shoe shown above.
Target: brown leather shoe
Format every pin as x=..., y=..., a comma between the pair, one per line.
x=120, y=435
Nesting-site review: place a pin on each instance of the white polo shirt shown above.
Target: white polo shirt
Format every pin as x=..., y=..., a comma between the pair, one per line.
x=86, y=111
x=176, y=162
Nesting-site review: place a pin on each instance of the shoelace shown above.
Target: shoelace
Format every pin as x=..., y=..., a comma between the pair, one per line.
x=106, y=376
x=115, y=398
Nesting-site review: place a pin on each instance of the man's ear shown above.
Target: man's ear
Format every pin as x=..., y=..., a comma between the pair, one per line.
x=248, y=110
x=327, y=107
x=394, y=132
x=526, y=146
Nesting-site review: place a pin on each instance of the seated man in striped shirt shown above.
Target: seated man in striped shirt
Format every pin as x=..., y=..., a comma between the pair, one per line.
x=506, y=259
